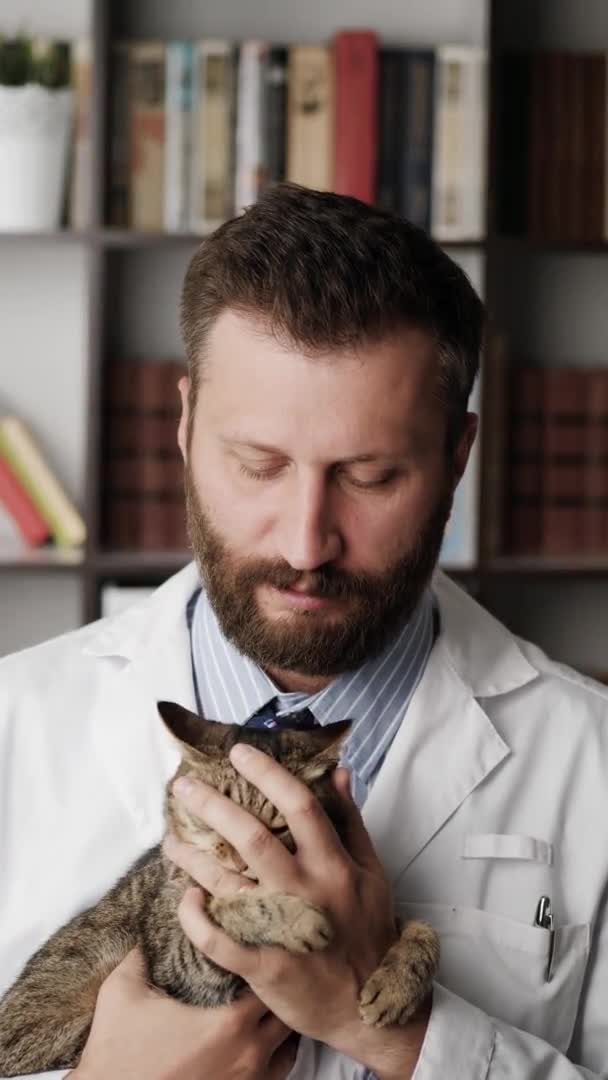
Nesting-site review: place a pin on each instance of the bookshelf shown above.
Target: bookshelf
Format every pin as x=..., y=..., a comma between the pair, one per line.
x=129, y=282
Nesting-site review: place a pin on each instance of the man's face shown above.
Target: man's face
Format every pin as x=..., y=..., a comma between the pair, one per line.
x=318, y=491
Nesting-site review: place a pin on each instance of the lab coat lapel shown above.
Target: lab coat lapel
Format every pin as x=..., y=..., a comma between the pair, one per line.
x=446, y=745
x=147, y=658
x=444, y=748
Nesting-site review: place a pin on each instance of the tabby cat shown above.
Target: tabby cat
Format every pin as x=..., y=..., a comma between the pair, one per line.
x=46, y=1016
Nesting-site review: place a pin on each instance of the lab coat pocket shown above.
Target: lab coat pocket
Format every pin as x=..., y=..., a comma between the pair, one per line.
x=501, y=966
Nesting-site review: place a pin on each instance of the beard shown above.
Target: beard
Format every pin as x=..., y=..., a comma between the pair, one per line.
x=377, y=606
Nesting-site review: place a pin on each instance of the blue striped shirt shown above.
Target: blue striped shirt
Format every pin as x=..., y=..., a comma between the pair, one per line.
x=230, y=687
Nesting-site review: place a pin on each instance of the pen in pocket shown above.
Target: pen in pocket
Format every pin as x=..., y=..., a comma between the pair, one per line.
x=544, y=919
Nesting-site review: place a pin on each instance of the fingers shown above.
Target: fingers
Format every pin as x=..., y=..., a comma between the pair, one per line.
x=213, y=942
x=262, y=852
x=308, y=823
x=215, y=878
x=355, y=836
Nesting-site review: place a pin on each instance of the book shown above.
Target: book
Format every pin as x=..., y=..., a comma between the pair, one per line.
x=459, y=144
x=310, y=116
x=179, y=76
x=525, y=461
x=249, y=155
x=356, y=119
x=17, y=502
x=147, y=134
x=417, y=145
x=142, y=468
x=118, y=203
x=20, y=450
x=274, y=113
x=212, y=191
x=595, y=511
x=563, y=461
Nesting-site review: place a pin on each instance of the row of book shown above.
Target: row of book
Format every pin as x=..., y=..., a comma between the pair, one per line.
x=557, y=475
x=552, y=169
x=34, y=506
x=199, y=129
x=142, y=467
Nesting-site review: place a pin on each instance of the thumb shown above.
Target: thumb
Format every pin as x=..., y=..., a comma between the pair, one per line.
x=355, y=836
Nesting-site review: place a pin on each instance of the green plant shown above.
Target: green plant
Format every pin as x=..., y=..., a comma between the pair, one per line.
x=25, y=59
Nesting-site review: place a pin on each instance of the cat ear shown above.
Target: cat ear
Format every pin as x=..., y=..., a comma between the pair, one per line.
x=325, y=744
x=197, y=737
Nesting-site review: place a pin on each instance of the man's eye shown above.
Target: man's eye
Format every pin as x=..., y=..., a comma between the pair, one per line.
x=383, y=480
x=259, y=474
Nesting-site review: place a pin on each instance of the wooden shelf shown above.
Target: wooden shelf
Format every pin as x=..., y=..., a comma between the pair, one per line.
x=53, y=236
x=531, y=246
x=133, y=238
x=138, y=563
x=547, y=566
x=51, y=558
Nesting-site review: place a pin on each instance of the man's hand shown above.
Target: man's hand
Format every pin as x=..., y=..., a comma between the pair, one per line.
x=317, y=994
x=140, y=1032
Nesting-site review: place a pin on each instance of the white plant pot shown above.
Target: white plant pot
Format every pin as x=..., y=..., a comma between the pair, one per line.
x=35, y=128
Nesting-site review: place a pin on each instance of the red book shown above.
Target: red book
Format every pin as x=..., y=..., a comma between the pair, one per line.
x=356, y=134
x=15, y=498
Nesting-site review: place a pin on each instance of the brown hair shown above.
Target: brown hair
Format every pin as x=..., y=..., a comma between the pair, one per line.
x=326, y=271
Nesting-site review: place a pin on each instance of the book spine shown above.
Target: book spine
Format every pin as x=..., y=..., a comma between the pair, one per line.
x=391, y=128
x=178, y=111
x=215, y=195
x=24, y=457
x=147, y=134
x=513, y=144
x=118, y=209
x=563, y=462
x=310, y=116
x=81, y=177
x=458, y=199
x=418, y=140
x=524, y=521
x=595, y=523
x=249, y=166
x=538, y=175
x=13, y=496
x=274, y=114
x=596, y=187
x=356, y=121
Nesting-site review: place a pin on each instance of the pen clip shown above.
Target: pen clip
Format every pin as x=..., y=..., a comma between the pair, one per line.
x=544, y=919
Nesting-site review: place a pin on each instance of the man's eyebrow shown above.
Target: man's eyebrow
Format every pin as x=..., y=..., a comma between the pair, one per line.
x=380, y=455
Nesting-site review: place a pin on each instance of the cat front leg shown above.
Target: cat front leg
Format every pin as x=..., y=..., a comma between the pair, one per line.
x=399, y=985
x=256, y=917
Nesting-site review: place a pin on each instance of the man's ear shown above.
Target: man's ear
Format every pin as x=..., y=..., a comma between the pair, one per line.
x=182, y=431
x=464, y=446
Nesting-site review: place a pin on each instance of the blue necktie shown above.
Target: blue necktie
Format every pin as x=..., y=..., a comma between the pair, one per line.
x=267, y=718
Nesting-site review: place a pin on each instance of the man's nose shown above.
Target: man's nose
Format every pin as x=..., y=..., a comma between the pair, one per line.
x=309, y=532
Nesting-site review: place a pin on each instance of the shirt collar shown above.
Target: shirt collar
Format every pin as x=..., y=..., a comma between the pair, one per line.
x=232, y=687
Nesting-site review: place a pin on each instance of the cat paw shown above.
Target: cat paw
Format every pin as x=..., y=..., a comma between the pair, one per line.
x=256, y=918
x=384, y=1000
x=310, y=932
x=398, y=987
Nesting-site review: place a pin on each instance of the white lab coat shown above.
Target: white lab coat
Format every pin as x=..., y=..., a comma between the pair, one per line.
x=494, y=792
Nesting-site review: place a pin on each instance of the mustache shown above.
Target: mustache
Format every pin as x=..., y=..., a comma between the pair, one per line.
x=326, y=581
